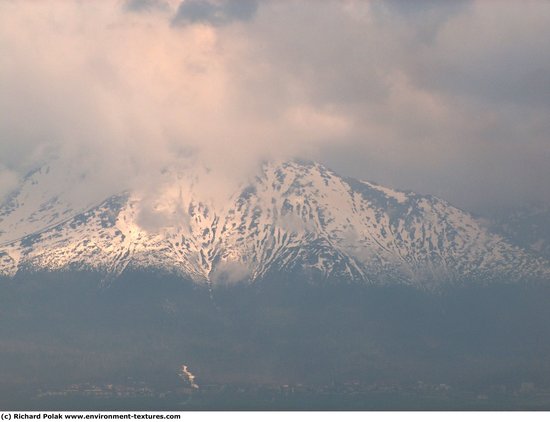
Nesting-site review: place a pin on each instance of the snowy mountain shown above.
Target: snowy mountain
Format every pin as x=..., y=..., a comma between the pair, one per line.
x=293, y=217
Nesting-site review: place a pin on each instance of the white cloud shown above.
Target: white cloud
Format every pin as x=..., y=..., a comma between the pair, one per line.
x=8, y=181
x=229, y=273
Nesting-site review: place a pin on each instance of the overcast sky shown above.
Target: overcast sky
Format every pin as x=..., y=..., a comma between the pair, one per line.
x=444, y=97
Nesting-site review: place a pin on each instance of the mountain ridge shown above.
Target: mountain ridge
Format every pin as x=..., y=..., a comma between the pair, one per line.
x=293, y=216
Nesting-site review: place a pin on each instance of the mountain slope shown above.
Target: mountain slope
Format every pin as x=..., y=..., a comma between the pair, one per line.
x=292, y=217
x=527, y=226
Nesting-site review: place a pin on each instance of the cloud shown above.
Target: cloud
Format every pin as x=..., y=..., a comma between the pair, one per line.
x=127, y=96
x=449, y=98
x=437, y=96
x=499, y=57
x=292, y=223
x=8, y=181
x=428, y=16
x=214, y=12
x=146, y=5
x=422, y=7
x=229, y=273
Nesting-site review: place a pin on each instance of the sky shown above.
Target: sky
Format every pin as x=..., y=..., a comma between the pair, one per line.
x=450, y=98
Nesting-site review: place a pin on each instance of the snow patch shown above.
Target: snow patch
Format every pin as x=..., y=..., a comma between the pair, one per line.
x=399, y=196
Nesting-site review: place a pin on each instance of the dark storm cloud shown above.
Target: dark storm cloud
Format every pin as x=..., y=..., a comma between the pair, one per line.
x=217, y=13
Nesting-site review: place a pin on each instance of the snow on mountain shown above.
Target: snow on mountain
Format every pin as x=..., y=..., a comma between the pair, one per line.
x=292, y=217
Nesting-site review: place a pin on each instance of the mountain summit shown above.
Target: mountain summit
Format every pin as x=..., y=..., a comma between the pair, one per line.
x=293, y=217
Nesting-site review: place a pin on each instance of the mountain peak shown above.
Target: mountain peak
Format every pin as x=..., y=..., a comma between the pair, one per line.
x=291, y=217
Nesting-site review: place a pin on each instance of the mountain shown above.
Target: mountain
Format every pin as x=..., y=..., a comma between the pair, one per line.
x=291, y=218
x=527, y=226
x=298, y=279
